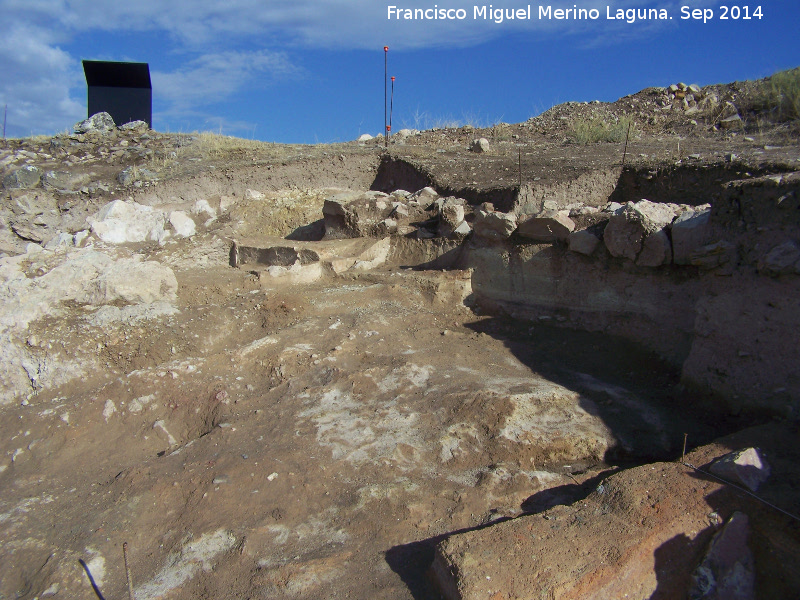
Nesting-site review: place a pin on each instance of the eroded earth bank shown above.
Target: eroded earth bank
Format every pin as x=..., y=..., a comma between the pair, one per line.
x=446, y=368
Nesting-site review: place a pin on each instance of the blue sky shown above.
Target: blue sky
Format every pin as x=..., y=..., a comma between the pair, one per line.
x=308, y=71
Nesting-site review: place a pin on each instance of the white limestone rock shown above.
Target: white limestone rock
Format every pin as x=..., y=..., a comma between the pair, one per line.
x=182, y=223
x=120, y=222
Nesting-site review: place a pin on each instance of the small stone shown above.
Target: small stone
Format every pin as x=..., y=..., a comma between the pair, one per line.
x=479, y=145
x=101, y=122
x=744, y=467
x=733, y=122
x=781, y=260
x=108, y=410
x=253, y=195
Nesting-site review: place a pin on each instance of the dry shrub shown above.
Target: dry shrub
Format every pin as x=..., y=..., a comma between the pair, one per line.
x=591, y=131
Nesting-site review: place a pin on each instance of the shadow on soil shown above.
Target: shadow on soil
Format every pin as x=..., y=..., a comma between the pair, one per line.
x=634, y=392
x=412, y=561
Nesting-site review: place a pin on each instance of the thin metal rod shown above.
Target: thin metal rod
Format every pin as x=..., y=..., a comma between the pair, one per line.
x=127, y=571
x=391, y=106
x=520, y=168
x=625, y=153
x=741, y=489
x=385, y=91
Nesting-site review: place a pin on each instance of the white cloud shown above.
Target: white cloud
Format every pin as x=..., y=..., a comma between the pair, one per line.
x=215, y=77
x=36, y=83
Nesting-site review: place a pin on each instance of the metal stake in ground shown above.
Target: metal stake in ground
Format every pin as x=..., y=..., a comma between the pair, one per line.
x=127, y=571
x=385, y=90
x=625, y=152
x=391, y=105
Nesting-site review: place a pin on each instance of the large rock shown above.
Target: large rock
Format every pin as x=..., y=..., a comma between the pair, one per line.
x=546, y=228
x=451, y=215
x=424, y=196
x=130, y=175
x=131, y=281
x=639, y=534
x=688, y=234
x=136, y=126
x=628, y=228
x=728, y=569
x=479, y=145
x=182, y=223
x=656, y=250
x=733, y=122
x=583, y=242
x=340, y=222
x=101, y=122
x=122, y=221
x=367, y=214
x=24, y=178
x=745, y=467
x=64, y=181
x=494, y=225
x=35, y=216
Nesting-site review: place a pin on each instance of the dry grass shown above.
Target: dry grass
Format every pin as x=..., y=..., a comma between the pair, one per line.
x=776, y=98
x=784, y=90
x=591, y=131
x=214, y=145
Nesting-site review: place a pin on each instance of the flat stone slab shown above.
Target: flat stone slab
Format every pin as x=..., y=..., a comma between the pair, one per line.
x=303, y=262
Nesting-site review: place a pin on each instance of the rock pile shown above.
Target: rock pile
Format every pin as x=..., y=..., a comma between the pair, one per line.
x=647, y=233
x=422, y=214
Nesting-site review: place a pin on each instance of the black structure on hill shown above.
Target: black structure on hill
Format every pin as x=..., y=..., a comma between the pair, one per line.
x=122, y=89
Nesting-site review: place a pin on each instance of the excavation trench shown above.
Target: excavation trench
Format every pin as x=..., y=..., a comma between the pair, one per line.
x=311, y=423
x=721, y=326
x=705, y=349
